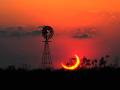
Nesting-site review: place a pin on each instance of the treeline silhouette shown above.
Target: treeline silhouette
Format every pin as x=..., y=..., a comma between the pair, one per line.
x=91, y=74
x=90, y=70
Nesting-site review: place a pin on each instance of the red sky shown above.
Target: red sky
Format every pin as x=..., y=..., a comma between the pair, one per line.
x=65, y=13
x=103, y=14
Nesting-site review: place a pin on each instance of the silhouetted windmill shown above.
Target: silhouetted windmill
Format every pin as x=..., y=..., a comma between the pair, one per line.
x=47, y=33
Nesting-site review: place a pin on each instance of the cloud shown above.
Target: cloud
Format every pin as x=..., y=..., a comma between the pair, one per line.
x=16, y=33
x=82, y=36
x=85, y=33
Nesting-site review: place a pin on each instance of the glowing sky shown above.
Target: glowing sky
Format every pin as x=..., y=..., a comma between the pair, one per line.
x=103, y=15
x=57, y=12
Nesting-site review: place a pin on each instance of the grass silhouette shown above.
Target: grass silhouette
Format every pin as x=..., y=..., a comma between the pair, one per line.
x=82, y=74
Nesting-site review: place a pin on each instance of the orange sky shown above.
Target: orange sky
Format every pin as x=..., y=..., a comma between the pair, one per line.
x=66, y=13
x=57, y=12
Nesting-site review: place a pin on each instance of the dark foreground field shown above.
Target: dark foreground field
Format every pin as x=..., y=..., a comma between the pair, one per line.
x=82, y=78
x=94, y=74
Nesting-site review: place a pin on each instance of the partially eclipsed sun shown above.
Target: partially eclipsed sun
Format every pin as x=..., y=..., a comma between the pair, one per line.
x=73, y=67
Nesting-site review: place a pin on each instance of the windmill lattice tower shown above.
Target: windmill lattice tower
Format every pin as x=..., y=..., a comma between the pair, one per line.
x=47, y=33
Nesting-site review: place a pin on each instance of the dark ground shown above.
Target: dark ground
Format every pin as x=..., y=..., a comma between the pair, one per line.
x=94, y=74
x=82, y=78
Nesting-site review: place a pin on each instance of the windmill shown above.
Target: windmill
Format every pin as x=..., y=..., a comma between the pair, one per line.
x=47, y=34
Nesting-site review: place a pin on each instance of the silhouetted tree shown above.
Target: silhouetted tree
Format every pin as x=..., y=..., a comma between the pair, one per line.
x=11, y=68
x=25, y=67
x=94, y=63
x=102, y=62
x=88, y=63
x=116, y=62
x=84, y=61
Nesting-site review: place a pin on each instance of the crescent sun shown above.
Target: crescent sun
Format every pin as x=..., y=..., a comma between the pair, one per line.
x=73, y=67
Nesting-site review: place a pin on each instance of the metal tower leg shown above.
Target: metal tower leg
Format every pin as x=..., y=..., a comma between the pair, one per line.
x=46, y=56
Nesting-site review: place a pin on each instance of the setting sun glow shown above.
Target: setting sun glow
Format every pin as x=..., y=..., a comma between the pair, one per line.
x=73, y=67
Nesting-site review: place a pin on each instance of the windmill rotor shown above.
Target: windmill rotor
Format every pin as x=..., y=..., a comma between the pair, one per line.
x=47, y=32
